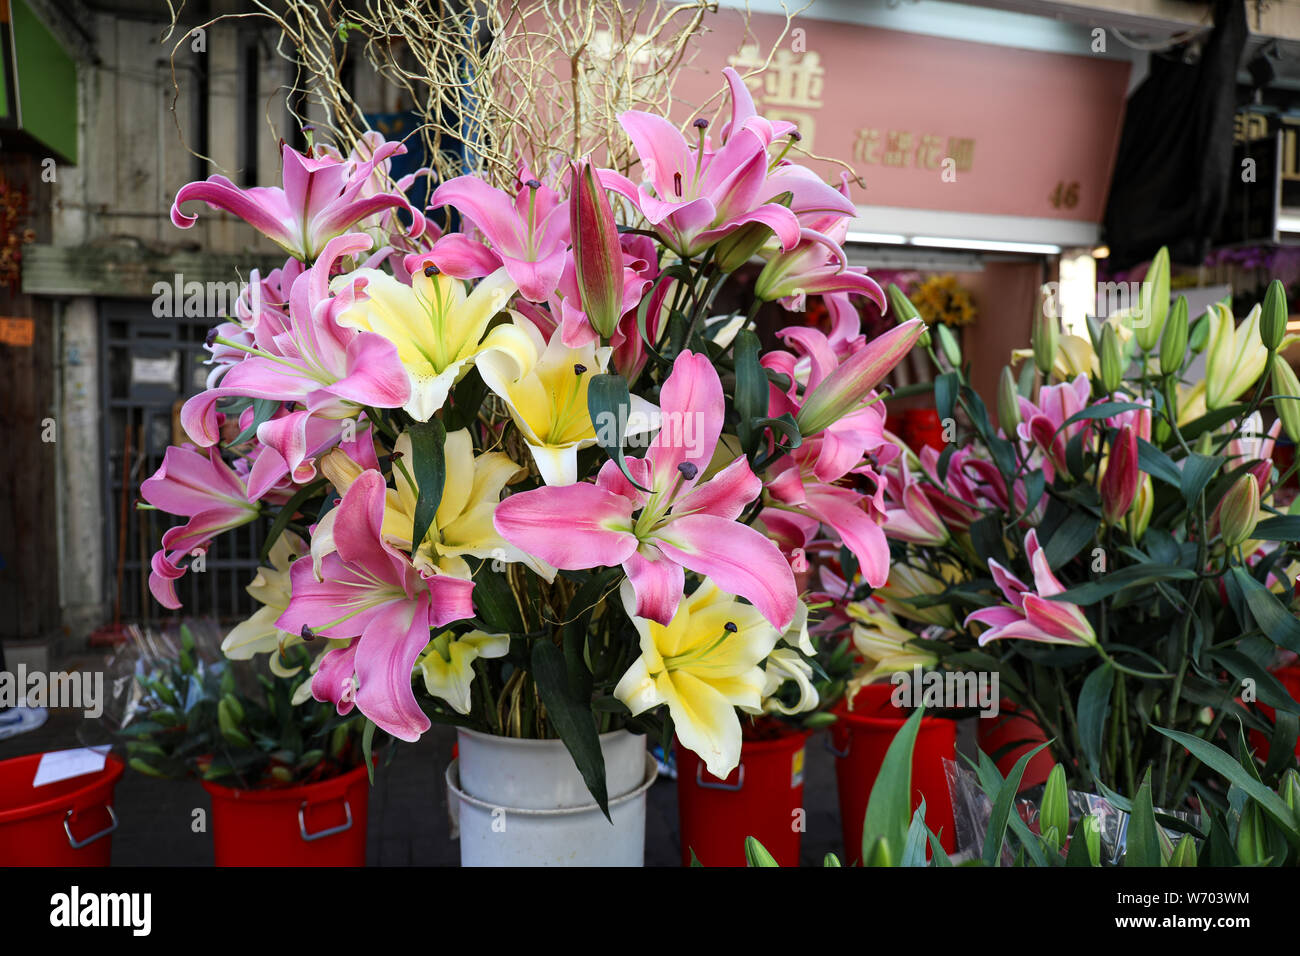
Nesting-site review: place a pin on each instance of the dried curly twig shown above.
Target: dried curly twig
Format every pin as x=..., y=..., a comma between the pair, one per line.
x=493, y=82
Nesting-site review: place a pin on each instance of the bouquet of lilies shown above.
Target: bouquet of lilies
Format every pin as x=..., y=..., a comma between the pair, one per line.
x=1117, y=544
x=519, y=476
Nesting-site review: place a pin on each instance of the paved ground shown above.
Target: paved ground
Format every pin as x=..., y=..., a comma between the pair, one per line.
x=408, y=823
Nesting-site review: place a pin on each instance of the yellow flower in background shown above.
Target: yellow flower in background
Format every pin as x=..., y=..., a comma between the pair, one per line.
x=437, y=327
x=1235, y=355
x=907, y=582
x=941, y=299
x=447, y=664
x=1191, y=402
x=270, y=588
x=884, y=642
x=703, y=665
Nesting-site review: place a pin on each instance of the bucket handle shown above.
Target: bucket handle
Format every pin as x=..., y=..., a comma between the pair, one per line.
x=78, y=844
x=848, y=744
x=719, y=784
x=321, y=834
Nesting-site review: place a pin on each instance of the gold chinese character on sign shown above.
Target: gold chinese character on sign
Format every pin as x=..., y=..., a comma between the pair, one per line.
x=930, y=153
x=789, y=89
x=961, y=152
x=898, y=145
x=866, y=146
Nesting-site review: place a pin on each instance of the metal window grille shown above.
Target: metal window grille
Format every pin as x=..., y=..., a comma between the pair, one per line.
x=148, y=367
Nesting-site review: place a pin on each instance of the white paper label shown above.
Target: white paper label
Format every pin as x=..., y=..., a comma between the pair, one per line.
x=65, y=764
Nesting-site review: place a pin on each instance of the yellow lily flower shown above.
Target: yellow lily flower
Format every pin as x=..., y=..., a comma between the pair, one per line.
x=437, y=327
x=703, y=665
x=270, y=588
x=907, y=582
x=785, y=664
x=447, y=664
x=879, y=638
x=545, y=389
x=1235, y=357
x=462, y=525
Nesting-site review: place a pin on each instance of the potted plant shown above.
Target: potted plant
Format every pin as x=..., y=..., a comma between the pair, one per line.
x=287, y=777
x=545, y=494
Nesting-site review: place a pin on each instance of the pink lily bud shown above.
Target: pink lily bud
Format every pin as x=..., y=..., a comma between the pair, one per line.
x=1119, y=484
x=597, y=255
x=844, y=389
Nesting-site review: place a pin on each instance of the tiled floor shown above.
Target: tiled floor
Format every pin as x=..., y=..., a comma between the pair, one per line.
x=408, y=823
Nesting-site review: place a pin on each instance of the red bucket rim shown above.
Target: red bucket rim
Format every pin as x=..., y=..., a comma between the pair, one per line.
x=110, y=774
x=876, y=722
x=318, y=788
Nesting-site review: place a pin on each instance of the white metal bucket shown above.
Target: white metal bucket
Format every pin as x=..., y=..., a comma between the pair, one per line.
x=529, y=831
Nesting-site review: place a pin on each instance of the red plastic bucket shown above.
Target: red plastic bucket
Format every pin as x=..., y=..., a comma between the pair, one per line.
x=1290, y=678
x=762, y=798
x=68, y=823
x=1012, y=726
x=860, y=738
x=318, y=824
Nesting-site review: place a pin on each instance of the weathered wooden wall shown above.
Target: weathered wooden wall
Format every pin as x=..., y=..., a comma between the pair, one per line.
x=29, y=593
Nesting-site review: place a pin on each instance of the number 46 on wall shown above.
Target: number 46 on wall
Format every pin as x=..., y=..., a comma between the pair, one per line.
x=1065, y=195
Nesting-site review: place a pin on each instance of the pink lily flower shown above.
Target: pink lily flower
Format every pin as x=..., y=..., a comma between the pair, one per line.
x=679, y=524
x=529, y=233
x=320, y=200
x=313, y=361
x=370, y=593
x=694, y=196
x=854, y=517
x=817, y=264
x=1029, y=615
x=204, y=489
x=1041, y=423
x=915, y=520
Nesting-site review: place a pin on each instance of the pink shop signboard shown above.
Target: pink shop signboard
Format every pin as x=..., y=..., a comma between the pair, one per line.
x=931, y=123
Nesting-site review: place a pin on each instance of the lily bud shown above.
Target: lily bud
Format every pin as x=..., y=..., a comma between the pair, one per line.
x=1155, y=302
x=597, y=254
x=1199, y=336
x=1239, y=511
x=1044, y=339
x=1119, y=483
x=1089, y=830
x=1008, y=403
x=923, y=339
x=1287, y=403
x=847, y=387
x=948, y=344
x=1252, y=835
x=1054, y=814
x=1112, y=359
x=1272, y=323
x=1173, y=345
x=1290, y=791
x=1139, y=516
x=903, y=307
x=1185, y=852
